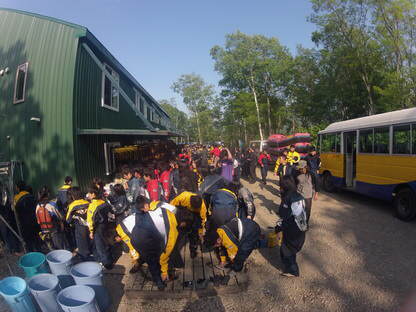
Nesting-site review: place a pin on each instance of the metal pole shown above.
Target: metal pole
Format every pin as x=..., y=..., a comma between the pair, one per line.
x=11, y=188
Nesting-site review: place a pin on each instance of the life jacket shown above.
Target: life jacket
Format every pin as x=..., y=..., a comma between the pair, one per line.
x=293, y=158
x=44, y=218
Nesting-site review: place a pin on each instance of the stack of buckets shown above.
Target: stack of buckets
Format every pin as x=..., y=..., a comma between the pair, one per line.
x=70, y=288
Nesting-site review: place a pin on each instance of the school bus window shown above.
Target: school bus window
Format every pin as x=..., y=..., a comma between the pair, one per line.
x=414, y=139
x=328, y=143
x=401, y=139
x=381, y=140
x=337, y=143
x=366, y=141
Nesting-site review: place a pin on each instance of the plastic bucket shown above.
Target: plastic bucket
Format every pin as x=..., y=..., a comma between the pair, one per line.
x=60, y=262
x=14, y=291
x=44, y=288
x=78, y=298
x=90, y=273
x=33, y=263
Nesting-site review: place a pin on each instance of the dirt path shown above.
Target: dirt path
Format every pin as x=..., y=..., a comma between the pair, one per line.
x=357, y=257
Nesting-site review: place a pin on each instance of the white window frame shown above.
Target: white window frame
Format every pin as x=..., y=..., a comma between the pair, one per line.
x=26, y=68
x=117, y=77
x=137, y=98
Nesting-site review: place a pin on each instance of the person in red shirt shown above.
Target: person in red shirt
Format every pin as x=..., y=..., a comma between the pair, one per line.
x=165, y=181
x=264, y=160
x=152, y=184
x=215, y=154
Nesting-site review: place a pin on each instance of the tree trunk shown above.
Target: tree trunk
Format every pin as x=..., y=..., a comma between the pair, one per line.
x=278, y=123
x=199, y=128
x=293, y=125
x=245, y=131
x=257, y=106
x=371, y=109
x=269, y=115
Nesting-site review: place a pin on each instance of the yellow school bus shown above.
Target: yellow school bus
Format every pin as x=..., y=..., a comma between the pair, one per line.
x=375, y=156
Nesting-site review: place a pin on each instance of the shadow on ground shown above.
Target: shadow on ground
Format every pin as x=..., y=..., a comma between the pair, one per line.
x=357, y=256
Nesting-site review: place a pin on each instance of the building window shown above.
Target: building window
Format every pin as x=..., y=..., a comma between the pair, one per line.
x=366, y=141
x=20, y=83
x=401, y=139
x=148, y=115
x=141, y=107
x=110, y=93
x=137, y=98
x=381, y=140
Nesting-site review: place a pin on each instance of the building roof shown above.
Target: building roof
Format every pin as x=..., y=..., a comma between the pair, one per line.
x=126, y=132
x=52, y=19
x=84, y=32
x=379, y=120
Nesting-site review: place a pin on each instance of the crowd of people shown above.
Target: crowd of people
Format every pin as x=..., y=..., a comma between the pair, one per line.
x=153, y=209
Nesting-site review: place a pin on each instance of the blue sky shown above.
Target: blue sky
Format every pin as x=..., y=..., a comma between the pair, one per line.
x=157, y=40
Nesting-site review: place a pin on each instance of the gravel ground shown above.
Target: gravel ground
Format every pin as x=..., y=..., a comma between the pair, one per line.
x=357, y=257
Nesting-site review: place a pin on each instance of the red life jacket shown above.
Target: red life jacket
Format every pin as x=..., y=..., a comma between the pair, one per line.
x=44, y=218
x=153, y=189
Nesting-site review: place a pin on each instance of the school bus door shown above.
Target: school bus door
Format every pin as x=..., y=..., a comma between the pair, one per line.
x=350, y=157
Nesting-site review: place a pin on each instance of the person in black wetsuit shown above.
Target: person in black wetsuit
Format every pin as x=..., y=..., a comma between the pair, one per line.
x=292, y=225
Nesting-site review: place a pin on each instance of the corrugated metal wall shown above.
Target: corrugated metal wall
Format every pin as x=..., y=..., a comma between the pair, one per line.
x=88, y=113
x=50, y=48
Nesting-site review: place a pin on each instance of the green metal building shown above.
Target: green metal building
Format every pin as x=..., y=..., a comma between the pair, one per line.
x=65, y=101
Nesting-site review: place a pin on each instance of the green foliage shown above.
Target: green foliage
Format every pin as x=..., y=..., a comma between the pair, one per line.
x=179, y=119
x=364, y=63
x=197, y=96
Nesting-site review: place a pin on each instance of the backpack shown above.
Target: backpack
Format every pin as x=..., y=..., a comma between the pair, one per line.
x=299, y=214
x=44, y=218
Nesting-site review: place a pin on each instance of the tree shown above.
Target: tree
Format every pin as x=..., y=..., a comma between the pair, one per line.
x=179, y=119
x=197, y=96
x=344, y=30
x=395, y=30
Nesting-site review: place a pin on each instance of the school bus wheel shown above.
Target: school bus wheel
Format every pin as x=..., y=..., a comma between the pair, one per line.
x=405, y=204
